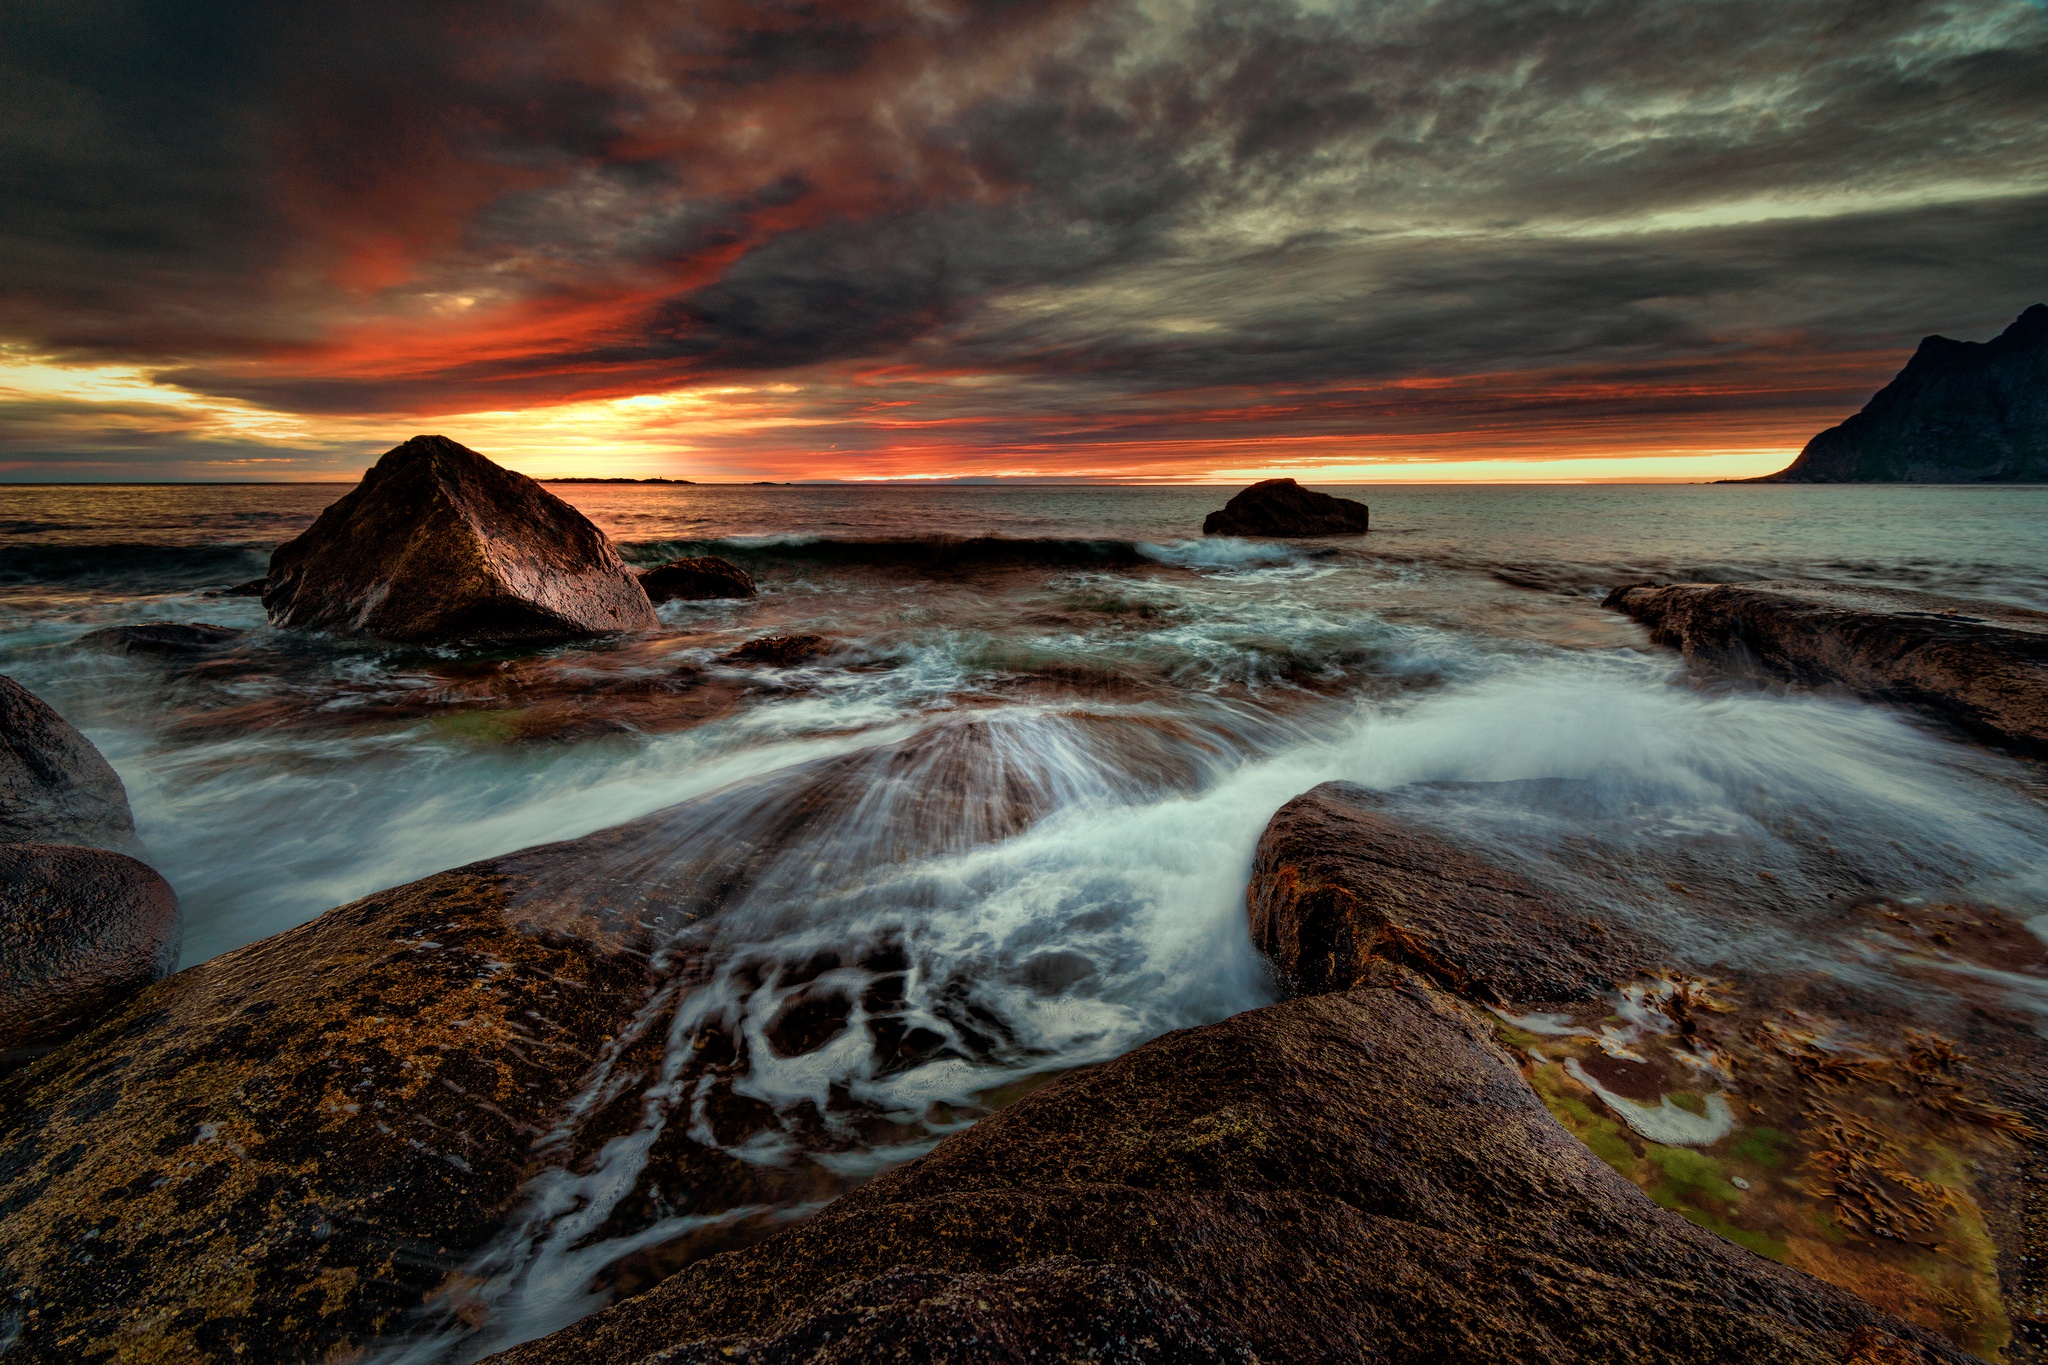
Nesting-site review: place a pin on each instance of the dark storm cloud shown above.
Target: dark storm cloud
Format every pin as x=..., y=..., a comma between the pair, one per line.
x=390, y=207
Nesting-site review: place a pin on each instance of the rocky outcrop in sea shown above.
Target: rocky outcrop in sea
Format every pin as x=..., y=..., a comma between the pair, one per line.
x=1980, y=666
x=438, y=545
x=1282, y=507
x=1959, y=412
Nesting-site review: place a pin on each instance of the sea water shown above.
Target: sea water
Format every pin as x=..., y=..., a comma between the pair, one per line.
x=1034, y=767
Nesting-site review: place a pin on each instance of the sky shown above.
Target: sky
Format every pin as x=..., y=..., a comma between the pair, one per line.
x=884, y=239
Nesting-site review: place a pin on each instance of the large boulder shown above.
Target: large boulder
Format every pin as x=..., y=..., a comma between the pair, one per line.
x=437, y=544
x=1353, y=1176
x=703, y=579
x=54, y=785
x=1282, y=507
x=1980, y=666
x=80, y=930
x=1959, y=412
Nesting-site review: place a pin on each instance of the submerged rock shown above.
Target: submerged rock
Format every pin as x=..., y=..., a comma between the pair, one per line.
x=162, y=639
x=1980, y=666
x=80, y=930
x=1959, y=412
x=437, y=545
x=780, y=651
x=253, y=588
x=1282, y=507
x=697, y=580
x=54, y=785
x=1339, y=884
x=1361, y=1175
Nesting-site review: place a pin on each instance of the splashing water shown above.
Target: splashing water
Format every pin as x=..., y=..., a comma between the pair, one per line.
x=999, y=828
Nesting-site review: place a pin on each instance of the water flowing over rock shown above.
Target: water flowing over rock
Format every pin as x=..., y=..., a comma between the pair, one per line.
x=1978, y=665
x=280, y=1152
x=1885, y=1141
x=80, y=930
x=1282, y=507
x=1359, y=1175
x=1337, y=885
x=438, y=545
x=703, y=579
x=162, y=639
x=54, y=785
x=1959, y=412
x=778, y=651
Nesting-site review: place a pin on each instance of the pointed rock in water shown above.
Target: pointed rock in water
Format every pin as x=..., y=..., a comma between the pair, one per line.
x=703, y=579
x=80, y=930
x=1282, y=507
x=439, y=545
x=1356, y=1176
x=1979, y=665
x=54, y=785
x=1960, y=412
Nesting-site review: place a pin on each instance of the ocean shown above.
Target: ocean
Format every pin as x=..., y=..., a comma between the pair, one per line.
x=1031, y=761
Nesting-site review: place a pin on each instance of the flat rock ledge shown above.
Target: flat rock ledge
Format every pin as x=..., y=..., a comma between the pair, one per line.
x=1980, y=666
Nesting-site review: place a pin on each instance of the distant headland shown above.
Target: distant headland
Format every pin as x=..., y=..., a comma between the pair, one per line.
x=1960, y=412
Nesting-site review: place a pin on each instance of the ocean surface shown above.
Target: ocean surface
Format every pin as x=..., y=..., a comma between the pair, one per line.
x=1034, y=766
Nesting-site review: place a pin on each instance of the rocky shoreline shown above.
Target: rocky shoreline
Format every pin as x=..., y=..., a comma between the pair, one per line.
x=1485, y=1124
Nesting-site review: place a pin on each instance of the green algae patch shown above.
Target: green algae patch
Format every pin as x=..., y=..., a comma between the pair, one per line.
x=1853, y=1160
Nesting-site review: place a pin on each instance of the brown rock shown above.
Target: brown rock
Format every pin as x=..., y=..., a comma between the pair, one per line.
x=1338, y=884
x=1352, y=1176
x=54, y=785
x=780, y=651
x=1282, y=507
x=437, y=544
x=80, y=929
x=1980, y=666
x=697, y=580
x=162, y=639
x=295, y=1149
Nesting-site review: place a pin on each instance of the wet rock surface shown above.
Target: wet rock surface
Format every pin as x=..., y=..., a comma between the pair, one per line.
x=162, y=639
x=779, y=651
x=1339, y=883
x=54, y=785
x=703, y=579
x=1881, y=1129
x=80, y=929
x=1362, y=1174
x=439, y=545
x=1282, y=507
x=282, y=1151
x=1980, y=666
x=1959, y=412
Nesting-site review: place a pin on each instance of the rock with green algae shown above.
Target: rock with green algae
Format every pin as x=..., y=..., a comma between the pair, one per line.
x=285, y=1152
x=1838, y=1129
x=1354, y=1176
